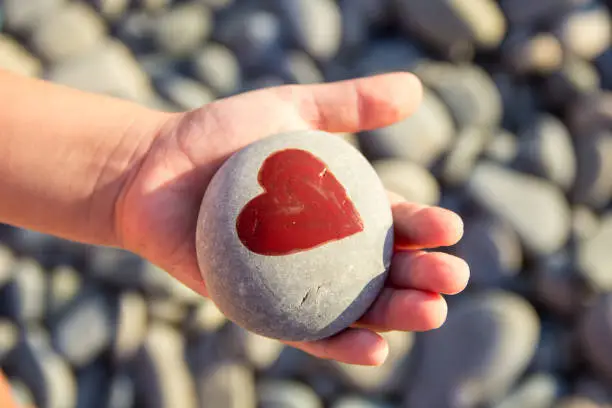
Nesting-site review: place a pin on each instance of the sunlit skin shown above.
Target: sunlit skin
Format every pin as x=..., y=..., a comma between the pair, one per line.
x=111, y=172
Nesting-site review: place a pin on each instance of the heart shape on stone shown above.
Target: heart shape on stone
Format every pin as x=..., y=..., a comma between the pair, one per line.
x=303, y=207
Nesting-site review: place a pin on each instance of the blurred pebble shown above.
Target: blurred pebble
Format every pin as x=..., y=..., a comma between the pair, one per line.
x=260, y=352
x=286, y=394
x=604, y=68
x=315, y=25
x=299, y=68
x=167, y=310
x=493, y=251
x=519, y=101
x=595, y=332
x=204, y=318
x=184, y=92
x=64, y=286
x=454, y=28
x=593, y=186
x=217, y=67
x=467, y=90
x=537, y=210
x=110, y=68
x=181, y=29
x=557, y=285
x=92, y=316
x=162, y=376
x=595, y=257
x=538, y=54
x=217, y=4
x=21, y=393
x=577, y=402
x=121, y=393
x=154, y=5
x=6, y=265
x=227, y=384
x=112, y=9
x=410, y=180
x=537, y=391
x=23, y=299
x=502, y=147
x=385, y=378
x=528, y=13
x=585, y=222
x=22, y=16
x=591, y=114
x=9, y=335
x=574, y=79
x=463, y=155
x=358, y=402
x=586, y=33
x=15, y=58
x=93, y=386
x=594, y=389
x=421, y=138
x=43, y=371
x=71, y=30
x=384, y=56
x=486, y=343
x=546, y=150
x=131, y=328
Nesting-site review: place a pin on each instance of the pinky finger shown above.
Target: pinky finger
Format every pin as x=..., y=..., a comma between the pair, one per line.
x=352, y=346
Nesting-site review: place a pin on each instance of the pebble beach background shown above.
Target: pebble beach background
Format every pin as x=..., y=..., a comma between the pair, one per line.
x=514, y=133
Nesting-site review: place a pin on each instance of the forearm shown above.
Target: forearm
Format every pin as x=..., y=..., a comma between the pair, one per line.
x=65, y=155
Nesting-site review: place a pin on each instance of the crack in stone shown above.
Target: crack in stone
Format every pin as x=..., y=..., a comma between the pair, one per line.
x=310, y=294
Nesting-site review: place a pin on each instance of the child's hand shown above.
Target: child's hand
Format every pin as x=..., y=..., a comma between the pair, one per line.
x=157, y=209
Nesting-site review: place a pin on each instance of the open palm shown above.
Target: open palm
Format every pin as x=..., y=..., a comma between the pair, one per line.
x=158, y=208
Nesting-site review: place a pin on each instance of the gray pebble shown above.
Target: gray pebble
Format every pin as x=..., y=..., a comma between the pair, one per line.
x=577, y=402
x=536, y=209
x=286, y=394
x=259, y=352
x=204, y=318
x=410, y=180
x=167, y=310
x=537, y=391
x=23, y=16
x=15, y=58
x=9, y=335
x=585, y=223
x=383, y=379
x=227, y=384
x=110, y=68
x=162, y=377
x=112, y=9
x=253, y=290
x=71, y=30
x=528, y=13
x=185, y=93
x=122, y=392
x=502, y=147
x=421, y=138
x=132, y=323
x=299, y=68
x=217, y=4
x=384, y=56
x=25, y=296
x=93, y=385
x=533, y=54
x=486, y=343
x=594, y=256
x=93, y=317
x=595, y=332
x=7, y=261
x=493, y=251
x=556, y=284
x=467, y=90
x=316, y=25
x=593, y=185
x=556, y=351
x=64, y=286
x=454, y=28
x=591, y=114
x=586, y=33
x=217, y=67
x=463, y=155
x=43, y=371
x=181, y=29
x=546, y=150
x=351, y=401
x=594, y=389
x=573, y=80
x=21, y=393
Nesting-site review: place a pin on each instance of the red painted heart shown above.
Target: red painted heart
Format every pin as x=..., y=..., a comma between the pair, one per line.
x=303, y=207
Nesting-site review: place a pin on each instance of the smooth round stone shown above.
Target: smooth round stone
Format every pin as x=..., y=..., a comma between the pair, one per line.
x=217, y=67
x=9, y=335
x=15, y=58
x=71, y=30
x=463, y=155
x=6, y=265
x=227, y=384
x=132, y=322
x=573, y=80
x=22, y=16
x=557, y=284
x=586, y=33
x=286, y=394
x=595, y=257
x=25, y=299
x=502, y=147
x=485, y=345
x=351, y=401
x=595, y=332
x=204, y=318
x=538, y=391
x=386, y=55
x=181, y=29
x=593, y=185
x=421, y=138
x=64, y=286
x=537, y=54
x=304, y=256
x=536, y=209
x=411, y=181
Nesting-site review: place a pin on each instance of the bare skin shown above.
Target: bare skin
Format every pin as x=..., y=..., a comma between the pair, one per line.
x=99, y=170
